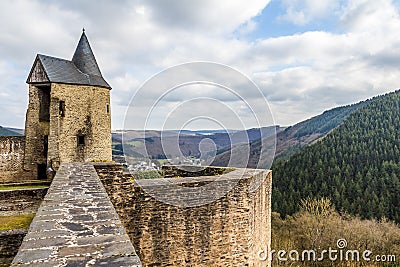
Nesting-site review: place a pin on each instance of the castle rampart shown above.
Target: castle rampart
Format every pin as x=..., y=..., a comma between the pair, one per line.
x=229, y=231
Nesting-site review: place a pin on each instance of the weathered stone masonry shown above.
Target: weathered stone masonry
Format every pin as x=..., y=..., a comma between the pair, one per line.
x=76, y=225
x=11, y=159
x=10, y=241
x=228, y=232
x=85, y=114
x=21, y=201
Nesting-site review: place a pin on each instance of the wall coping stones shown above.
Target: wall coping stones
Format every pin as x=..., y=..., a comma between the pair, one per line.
x=76, y=225
x=235, y=175
x=36, y=192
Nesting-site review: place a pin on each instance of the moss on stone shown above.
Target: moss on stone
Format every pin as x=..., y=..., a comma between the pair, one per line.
x=148, y=174
x=14, y=187
x=16, y=221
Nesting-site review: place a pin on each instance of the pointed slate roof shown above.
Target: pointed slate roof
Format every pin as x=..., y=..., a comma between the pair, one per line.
x=82, y=70
x=83, y=57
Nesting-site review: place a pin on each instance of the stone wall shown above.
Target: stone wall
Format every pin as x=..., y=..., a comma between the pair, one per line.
x=35, y=132
x=73, y=111
x=16, y=202
x=11, y=159
x=229, y=231
x=21, y=201
x=87, y=113
x=76, y=225
x=10, y=241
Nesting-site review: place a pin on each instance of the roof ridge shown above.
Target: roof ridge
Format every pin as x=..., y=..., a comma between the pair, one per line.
x=58, y=58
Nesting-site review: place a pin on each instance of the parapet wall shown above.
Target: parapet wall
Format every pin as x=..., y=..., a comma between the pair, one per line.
x=229, y=231
x=11, y=159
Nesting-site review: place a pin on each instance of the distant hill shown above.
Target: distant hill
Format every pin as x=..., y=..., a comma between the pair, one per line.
x=202, y=132
x=7, y=132
x=294, y=138
x=139, y=143
x=356, y=165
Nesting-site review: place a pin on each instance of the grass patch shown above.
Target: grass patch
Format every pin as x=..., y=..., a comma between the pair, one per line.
x=14, y=187
x=147, y=174
x=16, y=221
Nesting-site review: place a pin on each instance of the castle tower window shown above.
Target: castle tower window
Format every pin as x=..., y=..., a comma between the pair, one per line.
x=108, y=108
x=45, y=145
x=62, y=108
x=44, y=102
x=81, y=140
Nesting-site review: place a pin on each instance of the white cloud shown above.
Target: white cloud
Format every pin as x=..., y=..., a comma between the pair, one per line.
x=370, y=16
x=301, y=74
x=213, y=17
x=30, y=27
x=301, y=12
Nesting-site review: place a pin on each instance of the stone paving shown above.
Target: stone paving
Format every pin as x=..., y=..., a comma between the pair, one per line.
x=76, y=225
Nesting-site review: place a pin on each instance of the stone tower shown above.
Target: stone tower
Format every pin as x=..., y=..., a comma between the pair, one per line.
x=68, y=117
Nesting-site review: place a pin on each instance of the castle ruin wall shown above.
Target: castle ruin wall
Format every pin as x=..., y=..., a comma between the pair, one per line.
x=11, y=159
x=230, y=231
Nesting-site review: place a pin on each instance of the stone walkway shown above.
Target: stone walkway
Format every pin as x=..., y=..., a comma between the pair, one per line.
x=76, y=225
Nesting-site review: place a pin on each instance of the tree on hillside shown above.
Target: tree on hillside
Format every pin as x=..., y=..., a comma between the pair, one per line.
x=357, y=165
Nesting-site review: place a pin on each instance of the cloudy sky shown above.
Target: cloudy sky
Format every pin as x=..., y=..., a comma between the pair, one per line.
x=306, y=56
